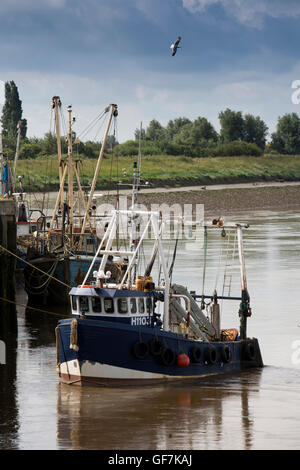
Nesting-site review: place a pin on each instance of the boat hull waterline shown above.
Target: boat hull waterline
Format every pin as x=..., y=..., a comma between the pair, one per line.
x=106, y=355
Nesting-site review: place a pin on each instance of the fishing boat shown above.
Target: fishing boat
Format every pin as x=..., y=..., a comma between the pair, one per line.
x=138, y=331
x=64, y=246
x=11, y=186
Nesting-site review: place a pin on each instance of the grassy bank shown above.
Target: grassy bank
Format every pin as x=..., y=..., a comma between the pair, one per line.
x=162, y=171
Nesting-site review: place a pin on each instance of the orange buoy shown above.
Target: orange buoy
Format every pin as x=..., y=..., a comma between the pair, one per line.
x=182, y=360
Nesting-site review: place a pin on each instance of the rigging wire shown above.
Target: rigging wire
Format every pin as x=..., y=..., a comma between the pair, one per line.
x=204, y=267
x=91, y=125
x=63, y=122
x=229, y=264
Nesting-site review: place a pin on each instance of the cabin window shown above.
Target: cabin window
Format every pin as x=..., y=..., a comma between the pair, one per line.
x=83, y=304
x=96, y=304
x=149, y=304
x=109, y=305
x=141, y=305
x=122, y=306
x=74, y=302
x=133, y=308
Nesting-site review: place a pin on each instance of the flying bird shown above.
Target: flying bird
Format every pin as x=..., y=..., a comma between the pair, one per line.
x=175, y=46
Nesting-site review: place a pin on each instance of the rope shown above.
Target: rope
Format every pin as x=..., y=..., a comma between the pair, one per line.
x=31, y=308
x=34, y=267
x=45, y=284
x=74, y=335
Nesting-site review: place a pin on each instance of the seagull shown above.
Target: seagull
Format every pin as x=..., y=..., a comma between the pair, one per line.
x=175, y=46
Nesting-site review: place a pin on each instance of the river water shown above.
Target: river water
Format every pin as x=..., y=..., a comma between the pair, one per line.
x=259, y=409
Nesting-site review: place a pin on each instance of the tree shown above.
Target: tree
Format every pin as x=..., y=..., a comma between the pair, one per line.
x=23, y=128
x=232, y=125
x=196, y=135
x=49, y=144
x=255, y=130
x=139, y=132
x=155, y=131
x=286, y=139
x=174, y=127
x=203, y=132
x=12, y=112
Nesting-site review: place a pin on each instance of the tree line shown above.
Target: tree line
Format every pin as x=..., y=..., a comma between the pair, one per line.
x=239, y=135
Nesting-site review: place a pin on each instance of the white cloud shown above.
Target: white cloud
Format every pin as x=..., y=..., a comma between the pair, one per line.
x=248, y=12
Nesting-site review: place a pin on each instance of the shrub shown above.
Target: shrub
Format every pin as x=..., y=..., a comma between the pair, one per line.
x=236, y=149
x=30, y=150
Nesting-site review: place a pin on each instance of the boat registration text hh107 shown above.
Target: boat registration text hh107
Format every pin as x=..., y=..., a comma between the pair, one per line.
x=137, y=321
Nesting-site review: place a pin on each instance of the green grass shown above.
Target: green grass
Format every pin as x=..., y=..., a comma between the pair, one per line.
x=166, y=170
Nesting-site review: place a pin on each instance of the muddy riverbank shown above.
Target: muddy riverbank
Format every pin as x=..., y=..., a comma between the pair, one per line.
x=218, y=199
x=226, y=200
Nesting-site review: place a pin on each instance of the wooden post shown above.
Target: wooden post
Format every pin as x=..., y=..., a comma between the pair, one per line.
x=8, y=234
x=1, y=163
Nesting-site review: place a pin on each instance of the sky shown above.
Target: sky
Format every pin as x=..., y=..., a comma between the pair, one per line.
x=237, y=54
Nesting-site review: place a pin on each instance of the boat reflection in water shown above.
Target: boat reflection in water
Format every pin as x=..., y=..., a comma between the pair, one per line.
x=204, y=414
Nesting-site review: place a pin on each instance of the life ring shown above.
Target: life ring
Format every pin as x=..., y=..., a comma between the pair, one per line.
x=155, y=347
x=226, y=354
x=249, y=351
x=211, y=355
x=168, y=357
x=196, y=354
x=140, y=350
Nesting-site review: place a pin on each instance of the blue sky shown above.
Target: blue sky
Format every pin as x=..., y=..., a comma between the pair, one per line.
x=239, y=54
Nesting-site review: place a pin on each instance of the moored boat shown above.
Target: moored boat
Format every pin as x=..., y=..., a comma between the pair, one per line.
x=136, y=331
x=63, y=247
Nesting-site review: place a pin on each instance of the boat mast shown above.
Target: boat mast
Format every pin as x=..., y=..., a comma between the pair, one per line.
x=19, y=127
x=137, y=175
x=136, y=186
x=70, y=176
x=245, y=310
x=113, y=112
x=56, y=104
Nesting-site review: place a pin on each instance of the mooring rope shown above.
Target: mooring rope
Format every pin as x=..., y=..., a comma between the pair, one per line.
x=74, y=335
x=34, y=267
x=32, y=308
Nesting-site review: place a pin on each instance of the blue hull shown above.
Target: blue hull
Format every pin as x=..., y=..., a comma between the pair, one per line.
x=43, y=290
x=106, y=354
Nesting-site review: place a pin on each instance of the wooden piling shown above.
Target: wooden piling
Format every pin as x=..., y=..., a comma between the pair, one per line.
x=8, y=237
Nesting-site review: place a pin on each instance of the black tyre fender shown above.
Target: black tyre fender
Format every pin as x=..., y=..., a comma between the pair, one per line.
x=210, y=355
x=155, y=347
x=249, y=351
x=226, y=354
x=140, y=350
x=196, y=354
x=168, y=357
